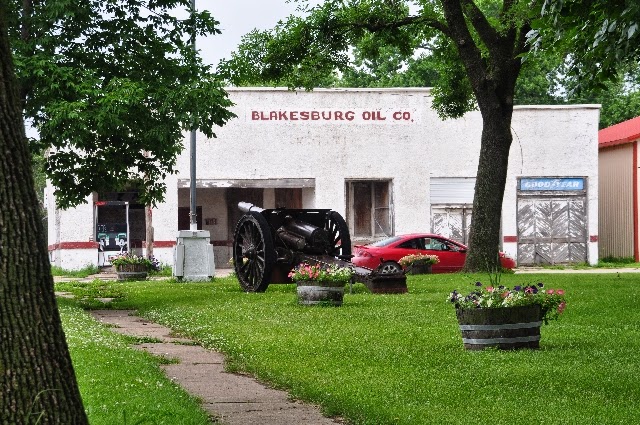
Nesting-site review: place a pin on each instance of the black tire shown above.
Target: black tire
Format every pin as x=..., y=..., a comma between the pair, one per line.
x=389, y=267
x=254, y=253
x=339, y=239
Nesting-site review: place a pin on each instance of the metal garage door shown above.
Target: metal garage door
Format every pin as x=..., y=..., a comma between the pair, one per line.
x=552, y=230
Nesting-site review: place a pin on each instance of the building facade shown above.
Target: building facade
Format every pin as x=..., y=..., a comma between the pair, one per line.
x=380, y=157
x=618, y=198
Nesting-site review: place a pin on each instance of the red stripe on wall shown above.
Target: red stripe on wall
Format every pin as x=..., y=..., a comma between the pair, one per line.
x=161, y=244
x=636, y=251
x=510, y=239
x=73, y=245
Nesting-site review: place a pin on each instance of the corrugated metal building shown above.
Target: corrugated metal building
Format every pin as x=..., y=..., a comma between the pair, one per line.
x=618, y=198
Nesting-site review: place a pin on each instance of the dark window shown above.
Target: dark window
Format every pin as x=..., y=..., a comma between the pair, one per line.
x=184, y=221
x=288, y=198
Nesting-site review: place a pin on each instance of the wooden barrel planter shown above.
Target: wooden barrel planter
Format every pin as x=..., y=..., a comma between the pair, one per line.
x=325, y=293
x=132, y=272
x=419, y=267
x=506, y=328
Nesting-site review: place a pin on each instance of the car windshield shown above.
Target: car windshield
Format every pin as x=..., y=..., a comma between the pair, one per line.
x=386, y=242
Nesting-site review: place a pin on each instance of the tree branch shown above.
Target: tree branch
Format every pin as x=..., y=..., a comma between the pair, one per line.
x=465, y=44
x=486, y=32
x=409, y=20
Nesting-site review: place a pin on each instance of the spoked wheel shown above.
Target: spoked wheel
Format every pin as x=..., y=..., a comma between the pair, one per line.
x=339, y=239
x=254, y=253
x=389, y=267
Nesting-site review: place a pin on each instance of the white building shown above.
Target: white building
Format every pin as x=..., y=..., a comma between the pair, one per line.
x=380, y=157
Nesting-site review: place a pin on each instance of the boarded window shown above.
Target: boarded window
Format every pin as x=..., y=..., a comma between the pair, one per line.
x=369, y=208
x=382, y=222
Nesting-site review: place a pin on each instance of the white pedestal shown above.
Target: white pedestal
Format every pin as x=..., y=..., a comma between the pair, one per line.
x=193, y=256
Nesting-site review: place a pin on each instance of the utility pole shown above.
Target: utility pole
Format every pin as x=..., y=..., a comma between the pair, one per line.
x=193, y=211
x=193, y=255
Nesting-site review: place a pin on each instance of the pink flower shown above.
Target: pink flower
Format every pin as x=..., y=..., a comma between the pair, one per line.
x=489, y=288
x=550, y=291
x=561, y=307
x=505, y=294
x=528, y=290
x=560, y=291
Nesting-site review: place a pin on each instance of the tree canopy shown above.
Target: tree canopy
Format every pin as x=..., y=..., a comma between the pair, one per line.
x=477, y=48
x=111, y=86
x=601, y=36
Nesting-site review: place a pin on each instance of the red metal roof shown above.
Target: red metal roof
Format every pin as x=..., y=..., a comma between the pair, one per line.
x=624, y=132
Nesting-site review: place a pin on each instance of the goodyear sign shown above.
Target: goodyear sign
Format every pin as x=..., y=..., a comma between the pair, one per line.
x=559, y=184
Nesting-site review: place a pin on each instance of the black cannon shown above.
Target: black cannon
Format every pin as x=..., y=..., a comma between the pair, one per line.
x=268, y=243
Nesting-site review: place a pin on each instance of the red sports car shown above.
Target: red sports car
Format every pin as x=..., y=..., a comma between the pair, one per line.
x=388, y=252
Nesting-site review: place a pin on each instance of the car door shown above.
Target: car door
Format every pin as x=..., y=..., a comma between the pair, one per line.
x=450, y=256
x=409, y=247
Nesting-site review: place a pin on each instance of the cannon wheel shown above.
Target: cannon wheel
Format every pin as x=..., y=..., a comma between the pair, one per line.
x=254, y=253
x=339, y=239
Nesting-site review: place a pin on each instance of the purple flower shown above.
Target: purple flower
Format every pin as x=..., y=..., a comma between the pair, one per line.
x=540, y=284
x=478, y=283
x=517, y=288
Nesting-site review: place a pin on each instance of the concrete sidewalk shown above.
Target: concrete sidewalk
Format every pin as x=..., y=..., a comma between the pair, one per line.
x=526, y=270
x=230, y=398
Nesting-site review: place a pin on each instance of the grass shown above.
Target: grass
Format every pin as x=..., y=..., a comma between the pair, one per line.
x=87, y=270
x=119, y=384
x=398, y=359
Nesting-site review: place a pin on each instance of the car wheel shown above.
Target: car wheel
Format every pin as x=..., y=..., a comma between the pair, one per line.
x=390, y=267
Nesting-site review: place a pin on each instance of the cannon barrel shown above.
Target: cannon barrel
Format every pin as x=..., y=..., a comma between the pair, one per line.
x=245, y=207
x=303, y=236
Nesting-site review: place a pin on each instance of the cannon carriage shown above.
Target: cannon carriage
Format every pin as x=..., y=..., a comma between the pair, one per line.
x=268, y=243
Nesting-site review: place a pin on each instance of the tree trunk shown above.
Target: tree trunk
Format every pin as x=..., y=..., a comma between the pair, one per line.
x=149, y=230
x=484, y=236
x=37, y=381
x=493, y=74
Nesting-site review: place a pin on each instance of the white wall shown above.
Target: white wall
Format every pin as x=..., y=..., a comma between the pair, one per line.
x=548, y=141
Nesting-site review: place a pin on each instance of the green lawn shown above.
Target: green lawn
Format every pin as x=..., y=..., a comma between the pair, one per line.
x=119, y=384
x=398, y=359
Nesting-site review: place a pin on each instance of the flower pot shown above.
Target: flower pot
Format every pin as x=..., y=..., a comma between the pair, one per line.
x=387, y=284
x=419, y=267
x=311, y=292
x=506, y=328
x=132, y=271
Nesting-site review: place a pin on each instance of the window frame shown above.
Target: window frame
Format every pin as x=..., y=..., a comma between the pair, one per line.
x=374, y=209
